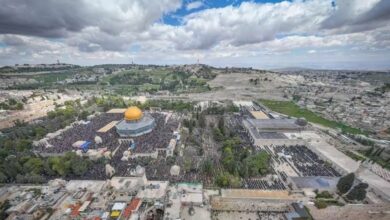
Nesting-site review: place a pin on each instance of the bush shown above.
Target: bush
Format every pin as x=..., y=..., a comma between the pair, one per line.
x=324, y=194
x=320, y=204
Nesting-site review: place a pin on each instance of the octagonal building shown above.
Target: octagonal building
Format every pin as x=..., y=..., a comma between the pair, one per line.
x=135, y=123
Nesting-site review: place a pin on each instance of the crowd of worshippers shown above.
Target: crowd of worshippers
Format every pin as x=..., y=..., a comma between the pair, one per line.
x=245, y=209
x=160, y=170
x=158, y=138
x=83, y=131
x=305, y=161
x=271, y=215
x=155, y=169
x=263, y=184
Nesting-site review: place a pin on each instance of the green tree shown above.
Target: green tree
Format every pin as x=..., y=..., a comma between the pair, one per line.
x=221, y=125
x=234, y=181
x=3, y=153
x=11, y=167
x=202, y=121
x=228, y=161
x=3, y=208
x=23, y=145
x=19, y=106
x=79, y=166
x=225, y=179
x=258, y=164
x=39, y=132
x=12, y=101
x=188, y=165
x=3, y=177
x=33, y=165
x=48, y=169
x=218, y=136
x=325, y=194
x=207, y=167
x=222, y=179
x=84, y=115
x=57, y=165
x=358, y=192
x=345, y=183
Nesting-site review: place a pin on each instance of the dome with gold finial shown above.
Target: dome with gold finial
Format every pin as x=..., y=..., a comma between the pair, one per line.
x=135, y=123
x=133, y=114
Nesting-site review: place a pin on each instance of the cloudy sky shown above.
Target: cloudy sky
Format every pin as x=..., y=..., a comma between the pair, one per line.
x=338, y=34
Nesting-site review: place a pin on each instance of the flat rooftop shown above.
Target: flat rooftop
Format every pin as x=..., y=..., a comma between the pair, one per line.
x=116, y=110
x=257, y=134
x=153, y=190
x=259, y=115
x=90, y=185
x=107, y=127
x=126, y=183
x=274, y=124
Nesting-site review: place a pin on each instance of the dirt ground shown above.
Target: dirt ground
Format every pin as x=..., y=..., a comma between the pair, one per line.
x=352, y=212
x=237, y=86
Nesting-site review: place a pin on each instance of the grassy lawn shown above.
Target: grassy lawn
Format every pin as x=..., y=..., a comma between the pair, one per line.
x=291, y=109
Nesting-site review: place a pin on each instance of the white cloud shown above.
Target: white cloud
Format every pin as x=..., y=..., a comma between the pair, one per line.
x=109, y=29
x=60, y=18
x=248, y=23
x=194, y=5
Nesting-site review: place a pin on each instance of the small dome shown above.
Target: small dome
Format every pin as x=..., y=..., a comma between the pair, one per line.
x=175, y=170
x=301, y=122
x=98, y=140
x=133, y=113
x=139, y=170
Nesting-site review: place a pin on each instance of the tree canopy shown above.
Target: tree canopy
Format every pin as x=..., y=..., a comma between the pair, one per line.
x=345, y=183
x=358, y=192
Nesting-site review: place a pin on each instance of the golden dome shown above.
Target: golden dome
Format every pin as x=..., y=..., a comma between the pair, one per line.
x=133, y=113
